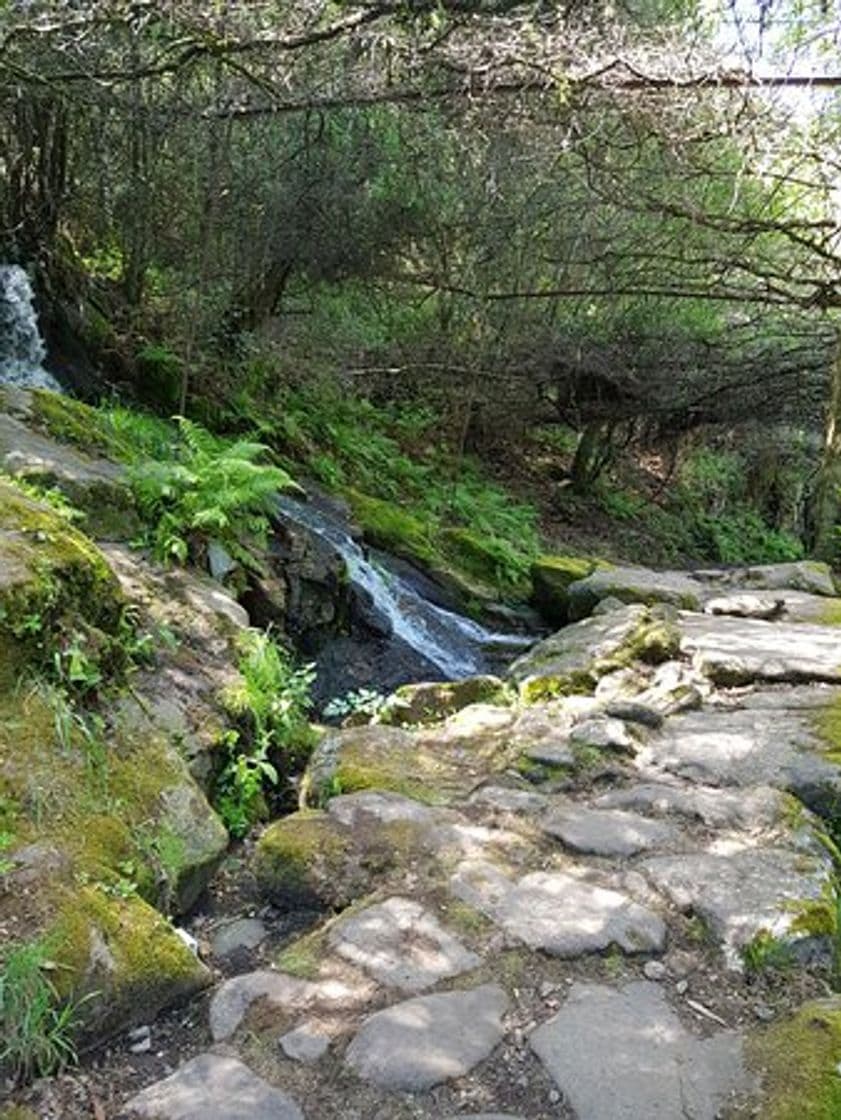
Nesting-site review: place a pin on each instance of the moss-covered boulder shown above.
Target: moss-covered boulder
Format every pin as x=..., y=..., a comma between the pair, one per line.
x=51, y=575
x=552, y=577
x=797, y=1060
x=573, y=660
x=432, y=701
x=331, y=858
x=436, y=766
x=632, y=585
x=120, y=957
x=92, y=484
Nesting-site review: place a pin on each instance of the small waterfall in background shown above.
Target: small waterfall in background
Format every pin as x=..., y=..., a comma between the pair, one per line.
x=457, y=646
x=22, y=349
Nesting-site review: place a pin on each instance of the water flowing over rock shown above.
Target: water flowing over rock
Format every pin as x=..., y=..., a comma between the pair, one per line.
x=22, y=350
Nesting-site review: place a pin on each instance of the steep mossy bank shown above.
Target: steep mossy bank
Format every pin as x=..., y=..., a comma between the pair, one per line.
x=104, y=830
x=798, y=1061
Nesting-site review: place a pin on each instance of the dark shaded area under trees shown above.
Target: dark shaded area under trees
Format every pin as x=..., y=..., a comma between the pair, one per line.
x=572, y=215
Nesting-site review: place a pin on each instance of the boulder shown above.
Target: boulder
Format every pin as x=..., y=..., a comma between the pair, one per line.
x=429, y=702
x=552, y=577
x=576, y=657
x=633, y=585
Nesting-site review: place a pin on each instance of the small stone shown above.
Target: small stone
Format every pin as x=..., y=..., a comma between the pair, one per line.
x=682, y=987
x=763, y=1012
x=305, y=1044
x=554, y=1096
x=547, y=989
x=143, y=1046
x=139, y=1033
x=242, y=933
x=655, y=970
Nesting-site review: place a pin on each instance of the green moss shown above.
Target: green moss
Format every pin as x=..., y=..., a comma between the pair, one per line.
x=830, y=613
x=552, y=577
x=71, y=421
x=798, y=1061
x=389, y=527
x=17, y=1112
x=295, y=854
x=827, y=725
x=303, y=957
x=124, y=950
x=536, y=689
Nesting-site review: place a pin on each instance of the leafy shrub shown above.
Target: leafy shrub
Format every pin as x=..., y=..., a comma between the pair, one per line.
x=207, y=489
x=271, y=701
x=362, y=701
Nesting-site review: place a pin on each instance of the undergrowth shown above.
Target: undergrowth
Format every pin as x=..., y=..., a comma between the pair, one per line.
x=274, y=739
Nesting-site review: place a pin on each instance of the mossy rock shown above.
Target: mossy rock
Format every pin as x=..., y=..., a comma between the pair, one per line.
x=798, y=1063
x=436, y=767
x=387, y=526
x=311, y=859
x=574, y=659
x=552, y=577
x=433, y=701
x=70, y=421
x=51, y=576
x=122, y=958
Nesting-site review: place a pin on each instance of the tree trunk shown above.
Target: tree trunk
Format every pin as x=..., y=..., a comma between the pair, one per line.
x=826, y=494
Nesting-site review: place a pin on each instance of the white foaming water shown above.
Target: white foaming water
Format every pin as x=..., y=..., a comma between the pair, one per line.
x=22, y=349
x=457, y=646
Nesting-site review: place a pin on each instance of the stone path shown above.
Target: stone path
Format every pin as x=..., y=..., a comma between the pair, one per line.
x=565, y=906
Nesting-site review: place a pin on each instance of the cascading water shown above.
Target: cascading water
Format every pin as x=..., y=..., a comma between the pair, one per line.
x=22, y=349
x=457, y=646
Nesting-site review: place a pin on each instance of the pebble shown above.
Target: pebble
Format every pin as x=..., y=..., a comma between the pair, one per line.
x=141, y=1047
x=139, y=1033
x=655, y=970
x=547, y=989
x=763, y=1012
x=682, y=987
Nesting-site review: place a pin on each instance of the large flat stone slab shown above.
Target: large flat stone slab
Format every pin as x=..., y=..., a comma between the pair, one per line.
x=425, y=1041
x=606, y=832
x=624, y=1055
x=798, y=575
x=402, y=945
x=740, y=893
x=559, y=913
x=755, y=808
x=745, y=747
x=735, y=651
x=211, y=1087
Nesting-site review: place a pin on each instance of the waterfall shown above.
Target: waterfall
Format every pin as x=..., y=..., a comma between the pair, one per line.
x=457, y=646
x=22, y=349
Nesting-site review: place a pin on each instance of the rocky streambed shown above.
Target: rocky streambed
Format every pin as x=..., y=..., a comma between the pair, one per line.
x=602, y=885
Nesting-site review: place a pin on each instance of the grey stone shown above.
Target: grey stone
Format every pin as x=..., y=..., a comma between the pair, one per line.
x=220, y=563
x=603, y=734
x=674, y=688
x=624, y=1055
x=242, y=933
x=634, y=712
x=558, y=913
x=424, y=1041
x=305, y=1044
x=234, y=997
x=739, y=893
x=755, y=808
x=506, y=800
x=745, y=606
x=402, y=945
x=576, y=657
x=633, y=585
x=605, y=832
x=214, y=1086
x=186, y=816
x=733, y=651
x=744, y=747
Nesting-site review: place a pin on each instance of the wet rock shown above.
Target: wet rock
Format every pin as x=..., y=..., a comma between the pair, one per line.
x=605, y=832
x=215, y=1086
x=575, y=658
x=425, y=1041
x=624, y=1055
x=558, y=913
x=402, y=945
x=633, y=585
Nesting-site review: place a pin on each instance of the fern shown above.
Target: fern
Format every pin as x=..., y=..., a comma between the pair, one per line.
x=208, y=489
